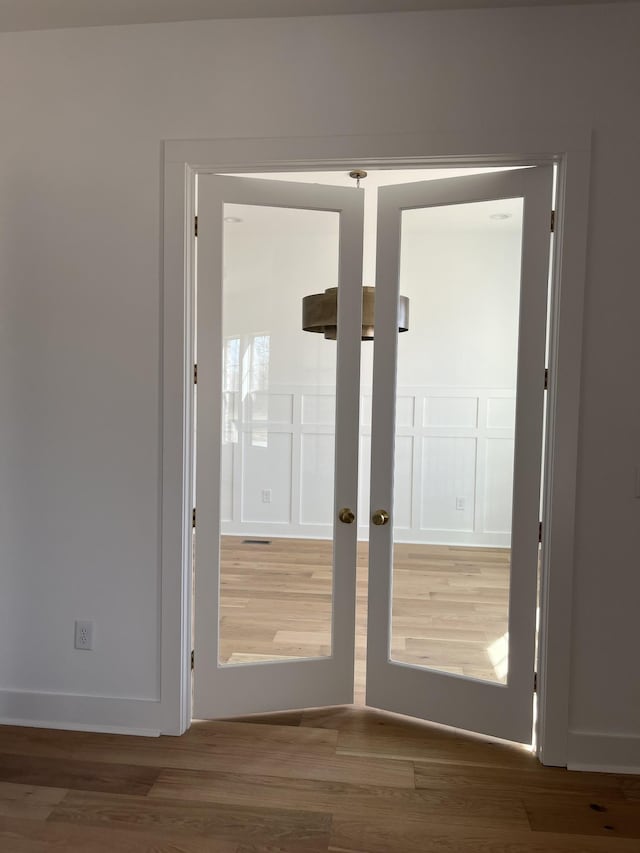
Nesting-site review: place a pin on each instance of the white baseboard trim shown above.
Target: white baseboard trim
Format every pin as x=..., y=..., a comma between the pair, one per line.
x=80, y=713
x=604, y=753
x=454, y=538
x=79, y=727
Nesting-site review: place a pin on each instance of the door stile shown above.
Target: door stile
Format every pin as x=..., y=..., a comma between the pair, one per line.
x=347, y=440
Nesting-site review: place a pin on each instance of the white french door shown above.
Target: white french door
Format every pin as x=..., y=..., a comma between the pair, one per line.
x=459, y=648
x=440, y=646
x=262, y=246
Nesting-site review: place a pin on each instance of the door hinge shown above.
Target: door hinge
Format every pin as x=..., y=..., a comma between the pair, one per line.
x=535, y=680
x=195, y=374
x=553, y=221
x=193, y=659
x=193, y=517
x=546, y=379
x=195, y=226
x=539, y=532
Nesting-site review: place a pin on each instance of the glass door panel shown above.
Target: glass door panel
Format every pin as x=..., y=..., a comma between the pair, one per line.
x=460, y=266
x=277, y=446
x=278, y=436
x=456, y=449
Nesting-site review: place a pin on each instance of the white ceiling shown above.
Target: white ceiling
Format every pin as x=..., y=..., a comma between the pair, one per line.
x=463, y=217
x=375, y=177
x=52, y=14
x=263, y=223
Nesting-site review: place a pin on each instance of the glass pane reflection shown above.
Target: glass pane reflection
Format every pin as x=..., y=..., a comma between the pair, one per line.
x=460, y=266
x=277, y=437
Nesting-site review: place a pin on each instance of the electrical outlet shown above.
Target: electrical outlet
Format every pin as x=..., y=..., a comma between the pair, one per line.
x=460, y=504
x=266, y=496
x=84, y=635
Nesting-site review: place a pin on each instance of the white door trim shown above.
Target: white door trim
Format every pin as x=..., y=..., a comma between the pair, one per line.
x=570, y=149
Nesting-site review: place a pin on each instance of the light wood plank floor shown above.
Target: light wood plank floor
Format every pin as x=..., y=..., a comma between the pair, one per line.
x=450, y=605
x=345, y=780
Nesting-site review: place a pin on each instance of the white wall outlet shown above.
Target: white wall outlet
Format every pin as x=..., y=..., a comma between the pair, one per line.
x=266, y=496
x=84, y=635
x=460, y=504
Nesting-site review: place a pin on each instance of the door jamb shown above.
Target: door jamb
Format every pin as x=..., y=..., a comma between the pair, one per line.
x=183, y=161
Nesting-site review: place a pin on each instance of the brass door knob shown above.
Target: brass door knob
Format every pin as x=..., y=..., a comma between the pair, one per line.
x=380, y=516
x=346, y=515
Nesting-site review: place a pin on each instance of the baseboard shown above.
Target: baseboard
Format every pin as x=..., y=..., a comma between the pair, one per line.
x=453, y=538
x=604, y=753
x=80, y=713
x=79, y=727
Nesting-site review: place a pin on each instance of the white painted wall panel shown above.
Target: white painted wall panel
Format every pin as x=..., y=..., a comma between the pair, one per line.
x=226, y=483
x=448, y=476
x=405, y=410
x=423, y=503
x=451, y=412
x=498, y=487
x=319, y=408
x=403, y=483
x=501, y=413
x=275, y=408
x=266, y=466
x=316, y=488
x=463, y=284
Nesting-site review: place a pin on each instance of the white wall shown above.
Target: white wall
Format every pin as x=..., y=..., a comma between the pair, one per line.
x=83, y=113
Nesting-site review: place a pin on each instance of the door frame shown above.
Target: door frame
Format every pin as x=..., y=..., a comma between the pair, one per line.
x=570, y=151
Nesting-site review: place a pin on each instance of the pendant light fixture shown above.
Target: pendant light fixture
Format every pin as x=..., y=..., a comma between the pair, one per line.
x=320, y=310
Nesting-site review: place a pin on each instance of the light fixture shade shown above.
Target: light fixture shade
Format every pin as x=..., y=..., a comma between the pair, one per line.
x=320, y=313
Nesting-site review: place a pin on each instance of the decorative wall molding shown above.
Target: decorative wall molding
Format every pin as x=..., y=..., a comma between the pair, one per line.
x=277, y=462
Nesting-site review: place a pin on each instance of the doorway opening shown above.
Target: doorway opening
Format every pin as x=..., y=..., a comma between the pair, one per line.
x=455, y=403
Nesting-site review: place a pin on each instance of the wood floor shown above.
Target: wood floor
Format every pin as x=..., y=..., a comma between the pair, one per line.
x=346, y=780
x=450, y=605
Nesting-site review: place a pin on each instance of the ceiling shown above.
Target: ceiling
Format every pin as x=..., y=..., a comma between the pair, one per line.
x=375, y=177
x=463, y=217
x=262, y=223
x=53, y=14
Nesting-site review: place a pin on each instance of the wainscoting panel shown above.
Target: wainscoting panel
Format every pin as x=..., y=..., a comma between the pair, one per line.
x=226, y=485
x=275, y=408
x=404, y=477
x=319, y=409
x=498, y=486
x=501, y=413
x=266, y=474
x=453, y=476
x=448, y=477
x=316, y=478
x=450, y=412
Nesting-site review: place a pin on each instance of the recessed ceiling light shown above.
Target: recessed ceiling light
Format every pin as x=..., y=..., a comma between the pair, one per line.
x=232, y=219
x=501, y=216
